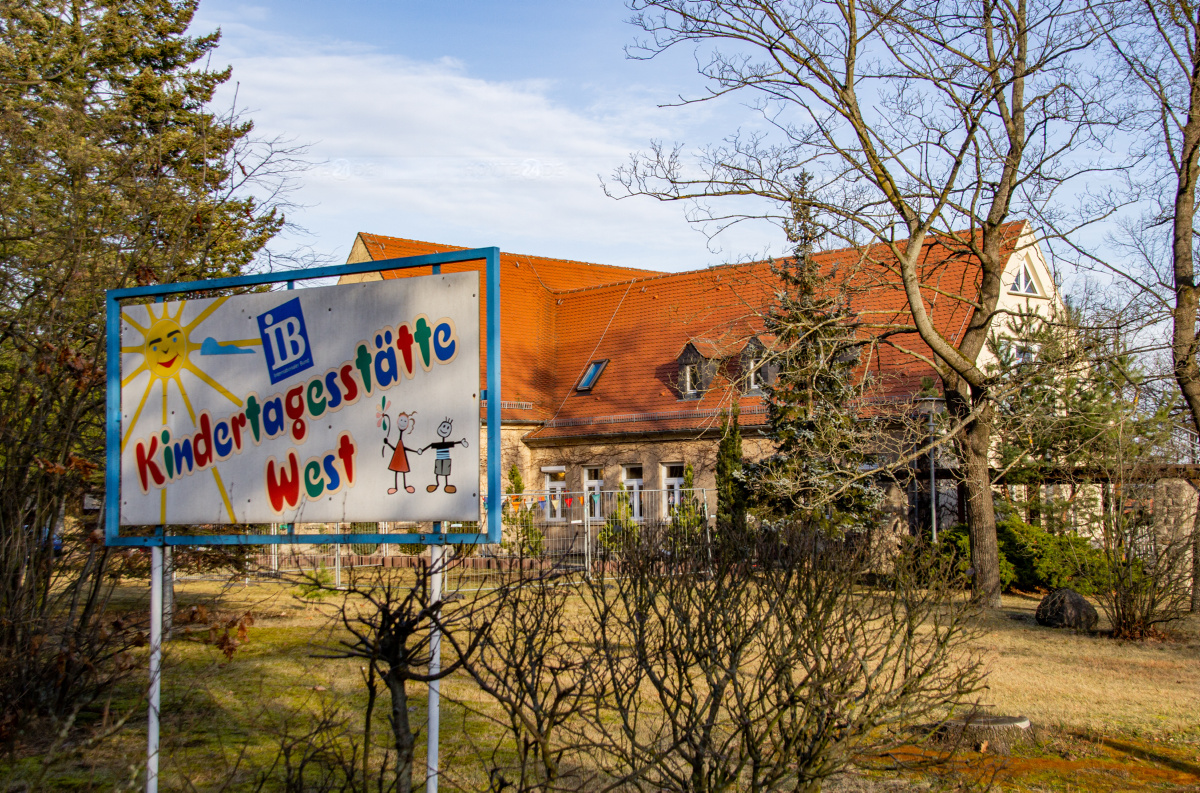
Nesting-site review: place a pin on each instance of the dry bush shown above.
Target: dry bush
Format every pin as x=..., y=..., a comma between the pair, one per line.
x=764, y=663
x=1146, y=579
x=534, y=665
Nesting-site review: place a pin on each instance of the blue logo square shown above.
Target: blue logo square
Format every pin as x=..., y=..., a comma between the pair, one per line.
x=285, y=340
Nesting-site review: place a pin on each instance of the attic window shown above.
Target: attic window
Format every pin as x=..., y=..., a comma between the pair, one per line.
x=591, y=375
x=1025, y=285
x=691, y=379
x=754, y=374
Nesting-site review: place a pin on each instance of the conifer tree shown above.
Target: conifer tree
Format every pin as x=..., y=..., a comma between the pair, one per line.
x=731, y=487
x=114, y=172
x=1077, y=400
x=815, y=398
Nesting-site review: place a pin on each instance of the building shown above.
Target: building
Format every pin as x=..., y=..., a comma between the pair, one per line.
x=614, y=375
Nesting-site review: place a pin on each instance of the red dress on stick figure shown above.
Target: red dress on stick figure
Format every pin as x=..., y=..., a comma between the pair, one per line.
x=399, y=463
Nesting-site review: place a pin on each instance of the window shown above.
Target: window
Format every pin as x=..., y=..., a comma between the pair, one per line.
x=591, y=375
x=695, y=372
x=1025, y=285
x=1024, y=355
x=754, y=373
x=556, y=485
x=673, y=485
x=690, y=384
x=593, y=483
x=633, y=483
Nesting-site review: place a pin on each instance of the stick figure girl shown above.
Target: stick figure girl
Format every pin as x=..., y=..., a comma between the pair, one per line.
x=399, y=462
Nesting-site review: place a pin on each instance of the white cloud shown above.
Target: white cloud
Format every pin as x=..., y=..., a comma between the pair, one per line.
x=427, y=151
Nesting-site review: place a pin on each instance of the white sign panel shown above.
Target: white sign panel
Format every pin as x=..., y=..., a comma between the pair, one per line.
x=340, y=403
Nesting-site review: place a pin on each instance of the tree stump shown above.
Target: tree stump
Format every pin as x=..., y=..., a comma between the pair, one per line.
x=982, y=733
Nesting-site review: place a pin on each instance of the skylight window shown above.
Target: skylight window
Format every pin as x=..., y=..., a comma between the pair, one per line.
x=591, y=375
x=1025, y=285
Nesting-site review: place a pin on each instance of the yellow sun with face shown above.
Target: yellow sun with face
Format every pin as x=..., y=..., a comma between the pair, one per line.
x=166, y=348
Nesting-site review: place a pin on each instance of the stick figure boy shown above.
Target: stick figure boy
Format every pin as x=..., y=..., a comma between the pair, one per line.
x=441, y=460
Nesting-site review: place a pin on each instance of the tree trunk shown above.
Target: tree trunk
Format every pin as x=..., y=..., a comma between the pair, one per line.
x=981, y=512
x=402, y=735
x=1195, y=607
x=1184, y=314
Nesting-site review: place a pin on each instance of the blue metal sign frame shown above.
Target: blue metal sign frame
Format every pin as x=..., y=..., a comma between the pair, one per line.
x=112, y=476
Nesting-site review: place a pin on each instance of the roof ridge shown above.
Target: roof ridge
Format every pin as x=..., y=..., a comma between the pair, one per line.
x=511, y=253
x=662, y=276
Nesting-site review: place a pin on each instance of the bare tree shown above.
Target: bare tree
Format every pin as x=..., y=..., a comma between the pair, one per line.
x=389, y=619
x=940, y=122
x=1158, y=46
x=764, y=663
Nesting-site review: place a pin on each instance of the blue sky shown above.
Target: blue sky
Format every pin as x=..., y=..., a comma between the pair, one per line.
x=474, y=123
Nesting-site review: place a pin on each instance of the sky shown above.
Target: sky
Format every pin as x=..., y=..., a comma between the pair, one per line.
x=474, y=123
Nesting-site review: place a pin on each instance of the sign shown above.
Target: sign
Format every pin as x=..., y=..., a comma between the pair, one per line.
x=342, y=403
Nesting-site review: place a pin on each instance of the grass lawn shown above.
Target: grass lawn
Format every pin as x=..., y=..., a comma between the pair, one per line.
x=1107, y=715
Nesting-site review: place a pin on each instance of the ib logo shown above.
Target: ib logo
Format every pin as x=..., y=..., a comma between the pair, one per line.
x=285, y=340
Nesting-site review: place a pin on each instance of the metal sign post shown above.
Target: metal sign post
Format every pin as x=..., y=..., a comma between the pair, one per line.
x=437, y=555
x=288, y=394
x=155, y=693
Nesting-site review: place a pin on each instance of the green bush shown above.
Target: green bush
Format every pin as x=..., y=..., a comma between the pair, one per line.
x=1032, y=558
x=317, y=585
x=526, y=538
x=620, y=532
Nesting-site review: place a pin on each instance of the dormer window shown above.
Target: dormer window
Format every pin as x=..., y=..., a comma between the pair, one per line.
x=754, y=373
x=757, y=369
x=1025, y=285
x=591, y=375
x=695, y=373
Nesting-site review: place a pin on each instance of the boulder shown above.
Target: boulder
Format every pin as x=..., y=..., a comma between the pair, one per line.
x=1066, y=608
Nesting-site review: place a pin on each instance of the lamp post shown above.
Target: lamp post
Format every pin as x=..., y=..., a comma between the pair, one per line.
x=931, y=406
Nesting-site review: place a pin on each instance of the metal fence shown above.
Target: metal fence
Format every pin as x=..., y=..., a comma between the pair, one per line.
x=280, y=560
x=583, y=530
x=575, y=531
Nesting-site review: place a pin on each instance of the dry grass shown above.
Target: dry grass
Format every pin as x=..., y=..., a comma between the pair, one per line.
x=1091, y=683
x=1111, y=715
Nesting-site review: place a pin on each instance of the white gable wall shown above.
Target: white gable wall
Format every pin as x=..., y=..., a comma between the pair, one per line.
x=1047, y=303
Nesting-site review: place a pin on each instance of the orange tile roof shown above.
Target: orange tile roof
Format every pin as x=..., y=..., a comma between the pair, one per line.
x=558, y=315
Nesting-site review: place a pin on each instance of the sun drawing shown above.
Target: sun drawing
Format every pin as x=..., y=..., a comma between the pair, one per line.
x=166, y=349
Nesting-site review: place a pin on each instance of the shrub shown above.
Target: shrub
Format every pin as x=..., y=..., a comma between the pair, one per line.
x=1146, y=574
x=527, y=538
x=620, y=530
x=317, y=585
x=1032, y=558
